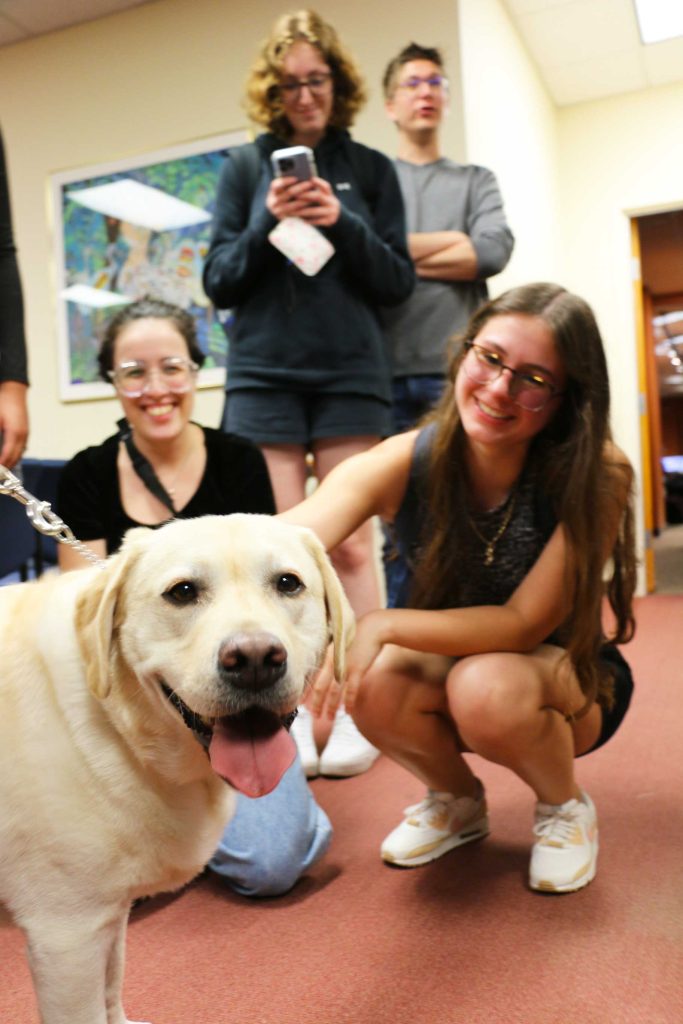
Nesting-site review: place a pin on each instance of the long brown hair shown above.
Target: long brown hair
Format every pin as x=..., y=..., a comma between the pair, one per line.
x=263, y=102
x=583, y=482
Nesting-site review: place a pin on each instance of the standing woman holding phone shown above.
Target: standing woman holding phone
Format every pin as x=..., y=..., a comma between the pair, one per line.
x=307, y=362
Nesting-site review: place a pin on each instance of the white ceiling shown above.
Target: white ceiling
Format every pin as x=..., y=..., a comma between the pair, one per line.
x=583, y=49
x=587, y=49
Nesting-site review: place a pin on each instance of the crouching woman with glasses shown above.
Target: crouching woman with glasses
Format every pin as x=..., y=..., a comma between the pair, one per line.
x=161, y=465
x=513, y=508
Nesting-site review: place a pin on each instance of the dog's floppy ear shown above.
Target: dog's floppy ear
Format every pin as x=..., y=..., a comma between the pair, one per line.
x=95, y=611
x=339, y=613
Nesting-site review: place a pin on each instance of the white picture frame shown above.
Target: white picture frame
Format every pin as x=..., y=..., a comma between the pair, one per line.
x=128, y=228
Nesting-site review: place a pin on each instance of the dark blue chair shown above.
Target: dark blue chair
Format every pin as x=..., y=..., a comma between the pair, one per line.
x=40, y=477
x=17, y=539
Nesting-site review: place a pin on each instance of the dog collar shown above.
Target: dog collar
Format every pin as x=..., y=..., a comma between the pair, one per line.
x=194, y=722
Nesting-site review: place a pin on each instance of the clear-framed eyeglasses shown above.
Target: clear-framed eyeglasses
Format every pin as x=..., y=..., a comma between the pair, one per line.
x=317, y=84
x=174, y=373
x=439, y=83
x=529, y=389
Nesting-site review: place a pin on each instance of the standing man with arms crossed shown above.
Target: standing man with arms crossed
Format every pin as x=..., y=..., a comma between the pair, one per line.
x=457, y=233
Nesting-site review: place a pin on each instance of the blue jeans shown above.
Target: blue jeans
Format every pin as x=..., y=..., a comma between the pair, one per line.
x=413, y=397
x=271, y=841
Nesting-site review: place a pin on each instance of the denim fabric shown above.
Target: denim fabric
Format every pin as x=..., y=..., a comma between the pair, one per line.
x=270, y=842
x=397, y=575
x=413, y=397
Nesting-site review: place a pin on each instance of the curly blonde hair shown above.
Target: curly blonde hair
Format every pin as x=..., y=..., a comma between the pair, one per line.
x=263, y=102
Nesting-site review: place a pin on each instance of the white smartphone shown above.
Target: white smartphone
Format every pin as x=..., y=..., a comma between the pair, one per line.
x=294, y=162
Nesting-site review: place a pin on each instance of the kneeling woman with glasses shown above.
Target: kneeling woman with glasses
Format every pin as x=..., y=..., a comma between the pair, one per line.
x=160, y=465
x=513, y=506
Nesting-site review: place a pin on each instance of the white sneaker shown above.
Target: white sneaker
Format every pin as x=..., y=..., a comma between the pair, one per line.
x=436, y=825
x=347, y=752
x=302, y=733
x=565, y=856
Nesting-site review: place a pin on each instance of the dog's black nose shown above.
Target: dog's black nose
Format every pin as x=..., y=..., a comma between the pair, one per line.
x=252, y=661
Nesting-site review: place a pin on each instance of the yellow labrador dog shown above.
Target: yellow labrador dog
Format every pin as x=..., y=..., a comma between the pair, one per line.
x=127, y=696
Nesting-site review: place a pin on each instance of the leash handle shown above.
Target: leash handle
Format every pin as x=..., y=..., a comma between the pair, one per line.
x=41, y=516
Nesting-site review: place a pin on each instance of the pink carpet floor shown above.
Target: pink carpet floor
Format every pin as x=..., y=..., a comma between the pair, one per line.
x=461, y=941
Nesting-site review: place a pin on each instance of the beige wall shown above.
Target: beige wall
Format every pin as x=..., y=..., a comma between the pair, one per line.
x=570, y=178
x=139, y=81
x=511, y=127
x=618, y=157
x=173, y=70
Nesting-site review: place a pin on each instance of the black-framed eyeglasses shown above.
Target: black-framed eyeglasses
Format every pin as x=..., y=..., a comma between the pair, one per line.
x=435, y=82
x=133, y=378
x=528, y=388
x=317, y=84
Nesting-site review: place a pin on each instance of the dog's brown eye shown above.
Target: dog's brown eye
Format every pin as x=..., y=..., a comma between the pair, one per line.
x=184, y=592
x=289, y=583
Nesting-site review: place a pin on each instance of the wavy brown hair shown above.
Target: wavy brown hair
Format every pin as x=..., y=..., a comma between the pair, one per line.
x=584, y=481
x=263, y=102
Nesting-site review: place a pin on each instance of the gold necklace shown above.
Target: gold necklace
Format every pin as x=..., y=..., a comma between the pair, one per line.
x=490, y=542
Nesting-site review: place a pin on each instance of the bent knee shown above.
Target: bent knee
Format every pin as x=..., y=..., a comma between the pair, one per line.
x=272, y=872
x=398, y=688
x=490, y=695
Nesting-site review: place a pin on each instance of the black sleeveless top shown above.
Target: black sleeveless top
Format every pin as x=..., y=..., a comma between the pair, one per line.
x=531, y=524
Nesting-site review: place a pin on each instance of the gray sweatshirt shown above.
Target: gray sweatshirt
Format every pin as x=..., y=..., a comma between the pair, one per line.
x=445, y=196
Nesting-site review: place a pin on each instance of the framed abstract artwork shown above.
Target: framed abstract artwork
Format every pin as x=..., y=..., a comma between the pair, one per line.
x=131, y=228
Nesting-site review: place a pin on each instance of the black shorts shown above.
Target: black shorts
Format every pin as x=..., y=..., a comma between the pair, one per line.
x=293, y=417
x=623, y=691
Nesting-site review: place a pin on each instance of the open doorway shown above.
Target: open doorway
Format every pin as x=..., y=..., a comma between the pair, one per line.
x=660, y=237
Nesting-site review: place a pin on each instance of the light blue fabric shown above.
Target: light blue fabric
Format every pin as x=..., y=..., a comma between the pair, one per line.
x=270, y=842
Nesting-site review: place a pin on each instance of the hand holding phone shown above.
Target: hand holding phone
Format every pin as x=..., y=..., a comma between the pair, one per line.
x=307, y=196
x=294, y=162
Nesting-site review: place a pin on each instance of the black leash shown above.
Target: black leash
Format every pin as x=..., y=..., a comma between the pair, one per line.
x=144, y=468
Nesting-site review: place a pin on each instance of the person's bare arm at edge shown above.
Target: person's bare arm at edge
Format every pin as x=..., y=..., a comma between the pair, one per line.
x=365, y=485
x=538, y=606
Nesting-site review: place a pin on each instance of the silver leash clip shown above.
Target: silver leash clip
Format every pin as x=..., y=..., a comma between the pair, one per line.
x=41, y=516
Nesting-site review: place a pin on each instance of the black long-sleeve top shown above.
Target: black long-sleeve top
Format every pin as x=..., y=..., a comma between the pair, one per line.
x=13, y=364
x=317, y=333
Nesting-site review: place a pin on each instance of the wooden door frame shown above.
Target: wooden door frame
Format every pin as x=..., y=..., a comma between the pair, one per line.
x=644, y=404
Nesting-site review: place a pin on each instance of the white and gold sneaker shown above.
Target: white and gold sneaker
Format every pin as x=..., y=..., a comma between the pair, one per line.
x=436, y=825
x=565, y=856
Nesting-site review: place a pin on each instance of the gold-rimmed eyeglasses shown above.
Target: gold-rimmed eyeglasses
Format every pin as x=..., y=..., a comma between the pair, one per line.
x=317, y=84
x=529, y=389
x=133, y=378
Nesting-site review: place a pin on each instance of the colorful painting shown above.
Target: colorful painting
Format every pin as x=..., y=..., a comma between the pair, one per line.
x=133, y=228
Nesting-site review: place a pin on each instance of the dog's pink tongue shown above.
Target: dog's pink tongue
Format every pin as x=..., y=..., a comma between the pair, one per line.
x=251, y=751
